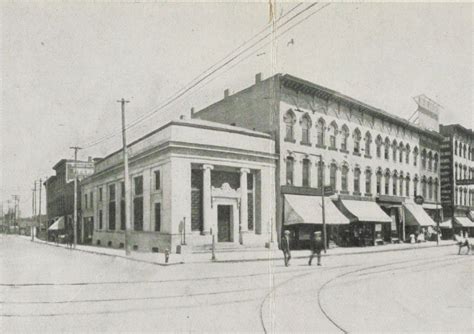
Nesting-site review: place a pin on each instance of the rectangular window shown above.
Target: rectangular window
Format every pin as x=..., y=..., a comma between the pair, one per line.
x=368, y=183
x=306, y=173
x=92, y=200
x=112, y=215
x=122, y=215
x=379, y=150
x=138, y=185
x=101, y=220
x=157, y=217
x=122, y=188
x=289, y=170
x=387, y=183
x=111, y=192
x=157, y=180
x=85, y=201
x=357, y=182
x=100, y=194
x=138, y=213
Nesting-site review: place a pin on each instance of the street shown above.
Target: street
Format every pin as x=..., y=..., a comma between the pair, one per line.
x=50, y=289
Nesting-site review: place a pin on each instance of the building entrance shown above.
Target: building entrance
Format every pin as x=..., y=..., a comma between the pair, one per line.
x=224, y=223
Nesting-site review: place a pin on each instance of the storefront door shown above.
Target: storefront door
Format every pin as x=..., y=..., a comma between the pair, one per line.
x=224, y=223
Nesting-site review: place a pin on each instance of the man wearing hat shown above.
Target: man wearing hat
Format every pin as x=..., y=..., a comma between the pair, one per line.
x=285, y=247
x=316, y=247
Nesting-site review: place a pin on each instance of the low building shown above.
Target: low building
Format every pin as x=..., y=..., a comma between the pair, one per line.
x=191, y=181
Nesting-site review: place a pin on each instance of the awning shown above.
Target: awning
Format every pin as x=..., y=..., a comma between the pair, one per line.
x=301, y=209
x=57, y=225
x=432, y=206
x=364, y=211
x=446, y=224
x=416, y=216
x=471, y=215
x=464, y=221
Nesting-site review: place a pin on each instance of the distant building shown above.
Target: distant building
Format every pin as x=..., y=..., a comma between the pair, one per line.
x=376, y=163
x=60, y=192
x=457, y=176
x=190, y=180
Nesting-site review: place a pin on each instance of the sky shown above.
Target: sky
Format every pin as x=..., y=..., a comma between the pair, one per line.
x=64, y=66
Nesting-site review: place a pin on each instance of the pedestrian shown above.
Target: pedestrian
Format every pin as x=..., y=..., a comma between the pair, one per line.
x=285, y=247
x=317, y=246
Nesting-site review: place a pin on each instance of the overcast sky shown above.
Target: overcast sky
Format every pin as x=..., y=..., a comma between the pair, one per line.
x=63, y=66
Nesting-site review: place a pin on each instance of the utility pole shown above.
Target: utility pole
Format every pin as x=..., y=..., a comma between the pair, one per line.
x=75, y=148
x=322, y=202
x=39, y=218
x=126, y=181
x=16, y=199
x=33, y=212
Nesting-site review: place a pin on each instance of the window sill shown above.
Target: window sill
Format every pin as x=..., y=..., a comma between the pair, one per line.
x=368, y=194
x=356, y=193
x=356, y=154
x=305, y=143
x=343, y=151
x=321, y=146
x=368, y=156
x=344, y=192
x=290, y=140
x=332, y=148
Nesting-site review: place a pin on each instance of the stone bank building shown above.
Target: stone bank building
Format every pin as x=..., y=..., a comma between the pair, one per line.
x=190, y=180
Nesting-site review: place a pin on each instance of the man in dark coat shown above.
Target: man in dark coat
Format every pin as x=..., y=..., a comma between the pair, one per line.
x=316, y=247
x=285, y=247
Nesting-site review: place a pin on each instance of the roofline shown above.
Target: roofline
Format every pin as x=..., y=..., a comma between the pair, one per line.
x=379, y=112
x=60, y=162
x=217, y=127
x=458, y=126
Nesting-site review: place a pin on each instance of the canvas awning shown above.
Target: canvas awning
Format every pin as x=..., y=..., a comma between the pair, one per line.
x=364, y=211
x=432, y=206
x=301, y=209
x=464, y=221
x=415, y=215
x=57, y=225
x=446, y=224
x=471, y=215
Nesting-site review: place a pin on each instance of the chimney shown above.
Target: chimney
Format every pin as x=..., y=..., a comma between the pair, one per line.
x=258, y=77
x=226, y=93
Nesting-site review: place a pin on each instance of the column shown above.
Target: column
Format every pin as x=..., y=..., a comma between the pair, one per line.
x=243, y=200
x=206, y=198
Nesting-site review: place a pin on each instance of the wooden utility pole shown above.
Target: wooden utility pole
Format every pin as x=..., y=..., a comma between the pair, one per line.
x=39, y=216
x=16, y=200
x=33, y=212
x=75, y=148
x=126, y=181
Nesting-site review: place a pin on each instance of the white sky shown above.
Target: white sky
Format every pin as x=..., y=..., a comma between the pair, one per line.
x=63, y=66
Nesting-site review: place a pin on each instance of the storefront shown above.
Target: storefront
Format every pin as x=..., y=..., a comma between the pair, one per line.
x=463, y=224
x=392, y=206
x=370, y=225
x=303, y=216
x=418, y=221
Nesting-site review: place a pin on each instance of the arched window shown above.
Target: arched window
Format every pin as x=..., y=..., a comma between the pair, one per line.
x=430, y=160
x=415, y=156
x=464, y=150
x=289, y=120
x=400, y=152
x=306, y=173
x=430, y=188
x=436, y=189
x=394, y=183
x=407, y=186
x=344, y=172
x=320, y=132
x=379, y=182
x=456, y=198
x=465, y=172
x=423, y=159
x=357, y=180
x=387, y=148
x=407, y=154
x=394, y=150
x=368, y=143
x=368, y=181
x=387, y=182
x=332, y=176
x=455, y=170
x=423, y=187
x=357, y=137
x=305, y=129
x=400, y=184
x=455, y=147
x=332, y=134
x=435, y=163
x=320, y=174
x=415, y=186
x=290, y=166
x=344, y=136
x=378, y=144
x=465, y=196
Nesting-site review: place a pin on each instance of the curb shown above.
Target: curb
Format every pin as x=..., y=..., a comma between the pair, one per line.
x=273, y=258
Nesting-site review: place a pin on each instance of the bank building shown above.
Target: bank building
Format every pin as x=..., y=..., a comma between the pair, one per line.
x=191, y=180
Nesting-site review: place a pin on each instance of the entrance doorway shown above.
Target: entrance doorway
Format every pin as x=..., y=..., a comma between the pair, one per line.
x=224, y=223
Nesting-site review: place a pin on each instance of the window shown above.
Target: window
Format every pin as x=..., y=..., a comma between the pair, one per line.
x=157, y=217
x=357, y=181
x=430, y=160
x=415, y=156
x=157, y=180
x=379, y=183
x=332, y=134
x=306, y=172
x=100, y=194
x=455, y=171
x=101, y=220
x=407, y=186
x=400, y=185
x=394, y=150
x=394, y=185
x=112, y=215
x=138, y=204
x=415, y=187
x=320, y=132
x=357, y=139
x=407, y=154
x=289, y=120
x=290, y=163
x=455, y=147
x=332, y=176
x=435, y=163
x=122, y=206
x=305, y=130
x=464, y=150
x=387, y=182
x=344, y=136
x=368, y=142
x=423, y=159
x=92, y=200
x=436, y=186
x=386, y=148
x=456, y=199
x=423, y=188
x=344, y=172
x=378, y=144
x=85, y=201
x=368, y=181
x=320, y=174
x=400, y=153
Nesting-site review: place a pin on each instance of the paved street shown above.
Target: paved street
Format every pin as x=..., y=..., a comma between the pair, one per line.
x=50, y=289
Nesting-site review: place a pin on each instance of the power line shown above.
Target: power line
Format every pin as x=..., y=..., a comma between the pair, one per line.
x=182, y=92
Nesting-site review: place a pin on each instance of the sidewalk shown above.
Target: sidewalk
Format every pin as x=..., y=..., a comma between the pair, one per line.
x=239, y=256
